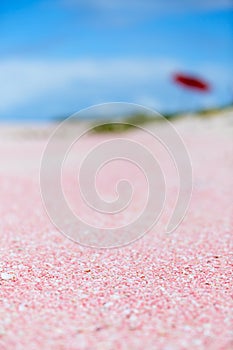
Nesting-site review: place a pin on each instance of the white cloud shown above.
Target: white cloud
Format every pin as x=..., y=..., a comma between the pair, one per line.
x=50, y=88
x=149, y=101
x=122, y=13
x=146, y=6
x=26, y=80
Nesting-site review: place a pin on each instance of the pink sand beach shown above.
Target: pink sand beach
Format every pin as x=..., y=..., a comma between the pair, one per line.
x=164, y=291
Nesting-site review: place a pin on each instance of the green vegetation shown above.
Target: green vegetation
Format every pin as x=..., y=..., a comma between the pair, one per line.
x=131, y=121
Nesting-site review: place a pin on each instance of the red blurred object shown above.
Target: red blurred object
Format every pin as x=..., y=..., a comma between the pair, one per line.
x=191, y=82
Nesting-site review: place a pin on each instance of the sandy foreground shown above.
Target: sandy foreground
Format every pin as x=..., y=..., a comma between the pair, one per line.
x=164, y=291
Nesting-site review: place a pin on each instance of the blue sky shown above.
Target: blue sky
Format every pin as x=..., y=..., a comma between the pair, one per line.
x=58, y=56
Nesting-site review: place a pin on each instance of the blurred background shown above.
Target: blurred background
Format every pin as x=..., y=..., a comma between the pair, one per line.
x=58, y=56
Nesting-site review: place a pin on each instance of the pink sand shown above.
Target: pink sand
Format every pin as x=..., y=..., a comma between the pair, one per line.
x=162, y=292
